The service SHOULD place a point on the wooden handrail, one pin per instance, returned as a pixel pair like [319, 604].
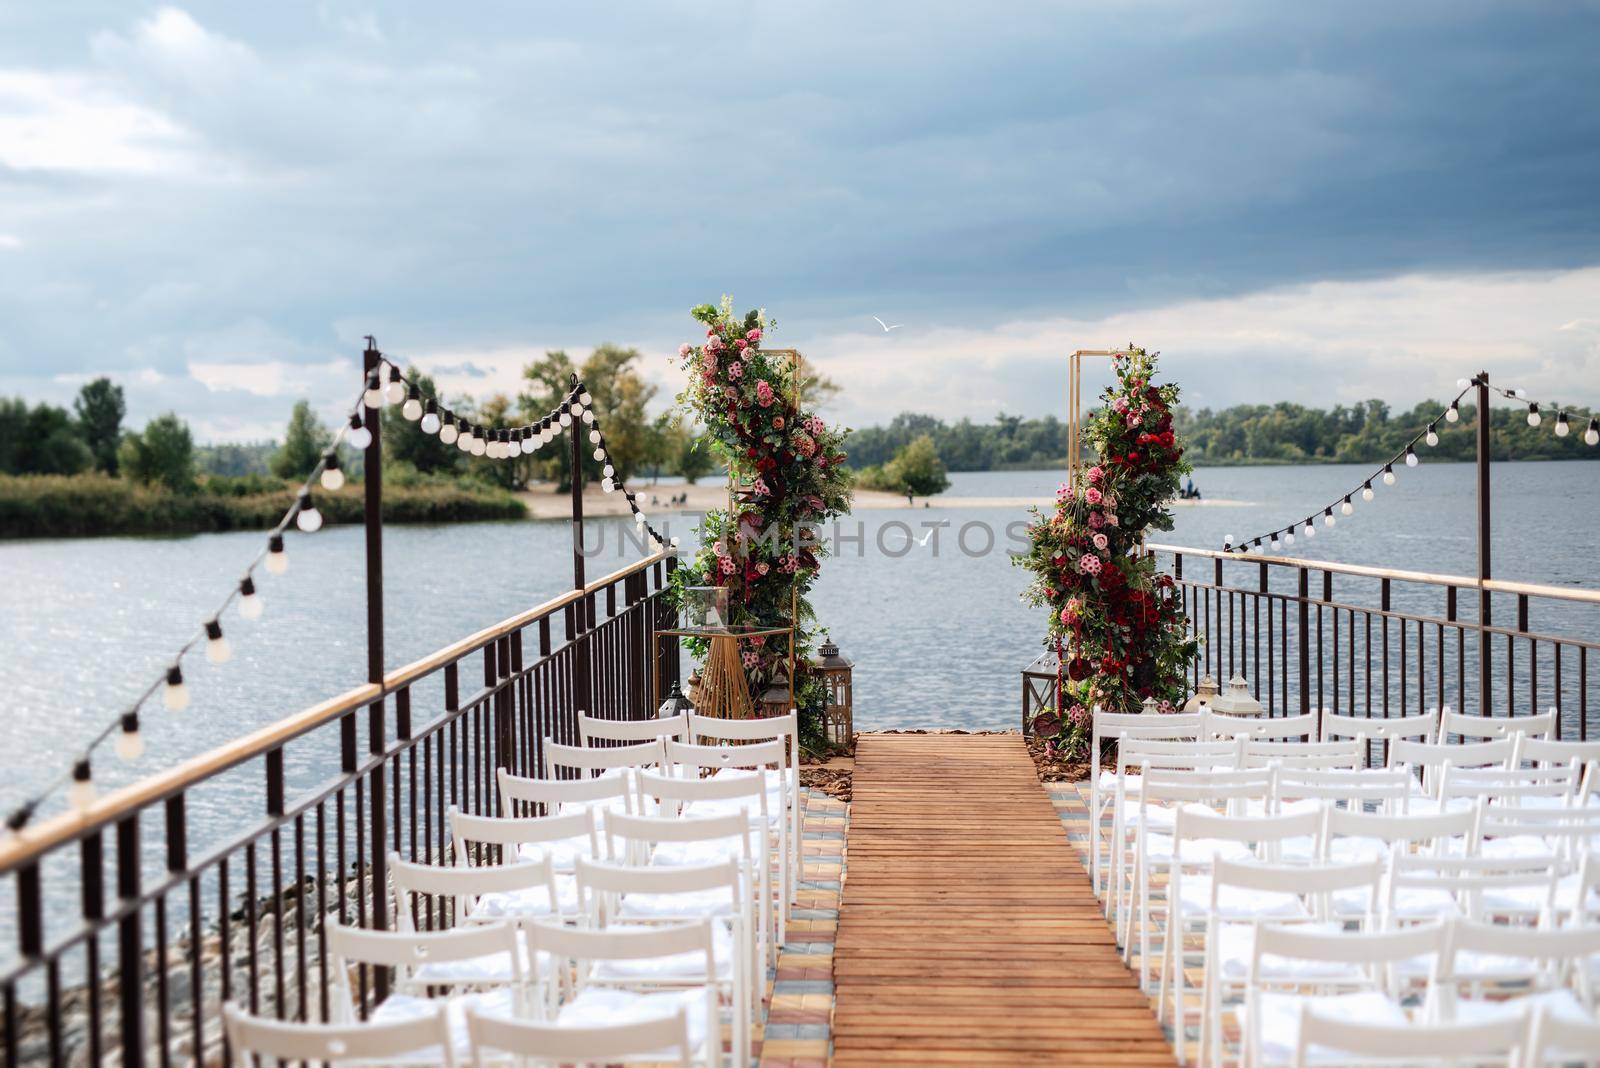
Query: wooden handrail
[32, 842]
[1529, 589]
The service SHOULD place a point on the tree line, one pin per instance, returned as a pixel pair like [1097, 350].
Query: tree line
[1243, 434]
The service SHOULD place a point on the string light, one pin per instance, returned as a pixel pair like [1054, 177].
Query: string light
[358, 436]
[1562, 429]
[249, 600]
[448, 430]
[1366, 490]
[1453, 413]
[129, 745]
[174, 694]
[1592, 435]
[395, 392]
[1327, 517]
[307, 518]
[1411, 456]
[80, 794]
[217, 649]
[1388, 474]
[1347, 508]
[1433, 436]
[412, 408]
[373, 397]
[1534, 418]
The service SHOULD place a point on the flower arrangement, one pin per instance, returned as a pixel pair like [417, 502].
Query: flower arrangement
[788, 465]
[1117, 625]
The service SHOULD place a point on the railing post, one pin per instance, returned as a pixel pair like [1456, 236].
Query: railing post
[130, 943]
[582, 692]
[376, 795]
[1485, 700]
[1304, 616]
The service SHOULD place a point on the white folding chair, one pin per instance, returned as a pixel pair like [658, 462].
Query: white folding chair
[1279, 728]
[1430, 758]
[665, 1039]
[422, 1038]
[1550, 968]
[694, 839]
[747, 761]
[1519, 888]
[1566, 835]
[459, 894]
[590, 1000]
[482, 841]
[1239, 889]
[1543, 751]
[583, 759]
[1346, 975]
[1347, 754]
[523, 797]
[593, 729]
[1323, 1034]
[627, 895]
[1477, 727]
[1127, 814]
[1554, 1040]
[1349, 835]
[1109, 726]
[1554, 786]
[785, 728]
[1424, 726]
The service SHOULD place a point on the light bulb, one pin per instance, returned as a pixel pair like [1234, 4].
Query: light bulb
[1388, 475]
[584, 399]
[479, 446]
[307, 518]
[81, 793]
[491, 449]
[1453, 412]
[129, 745]
[1534, 419]
[588, 416]
[1592, 435]
[607, 485]
[514, 447]
[608, 471]
[536, 444]
[218, 651]
[465, 439]
[1411, 457]
[373, 397]
[175, 695]
[1433, 436]
[1562, 428]
[411, 409]
[1328, 519]
[395, 392]
[674, 541]
[599, 454]
[1519, 392]
[1274, 544]
[332, 477]
[430, 422]
[1366, 491]
[1227, 541]
[359, 436]
[249, 600]
[638, 518]
[1462, 383]
[277, 559]
[566, 418]
[1311, 531]
[594, 436]
[1288, 537]
[1347, 508]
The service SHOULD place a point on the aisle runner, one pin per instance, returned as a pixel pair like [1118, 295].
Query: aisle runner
[969, 933]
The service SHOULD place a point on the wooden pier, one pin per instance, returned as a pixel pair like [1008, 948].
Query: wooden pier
[969, 933]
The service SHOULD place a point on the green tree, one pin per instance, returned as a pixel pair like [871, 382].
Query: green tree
[404, 441]
[620, 396]
[686, 453]
[163, 454]
[49, 444]
[100, 406]
[917, 470]
[303, 444]
[13, 429]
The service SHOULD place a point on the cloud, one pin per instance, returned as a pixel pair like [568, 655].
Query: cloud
[10, 241]
[77, 123]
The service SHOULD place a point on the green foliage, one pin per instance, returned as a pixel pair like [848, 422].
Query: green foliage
[163, 454]
[303, 444]
[230, 460]
[915, 471]
[620, 395]
[404, 442]
[686, 453]
[50, 444]
[1117, 625]
[97, 505]
[100, 407]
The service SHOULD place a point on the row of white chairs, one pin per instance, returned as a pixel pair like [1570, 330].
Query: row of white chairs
[621, 900]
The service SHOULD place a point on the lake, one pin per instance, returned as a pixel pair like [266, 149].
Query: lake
[938, 635]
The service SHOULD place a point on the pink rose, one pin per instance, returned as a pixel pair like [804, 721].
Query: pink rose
[684, 349]
[1101, 541]
[753, 335]
[1111, 519]
[740, 343]
[1096, 473]
[718, 548]
[764, 394]
[1093, 496]
[777, 422]
[1066, 617]
[763, 567]
[1096, 520]
[714, 344]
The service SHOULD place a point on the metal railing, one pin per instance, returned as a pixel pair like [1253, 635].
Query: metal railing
[1312, 635]
[163, 934]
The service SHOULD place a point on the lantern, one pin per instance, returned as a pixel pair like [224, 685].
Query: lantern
[1236, 700]
[775, 699]
[676, 704]
[838, 716]
[1148, 706]
[1204, 694]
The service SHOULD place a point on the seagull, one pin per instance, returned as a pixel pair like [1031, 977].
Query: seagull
[886, 326]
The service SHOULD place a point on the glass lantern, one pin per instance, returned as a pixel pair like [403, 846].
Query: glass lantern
[838, 715]
[706, 606]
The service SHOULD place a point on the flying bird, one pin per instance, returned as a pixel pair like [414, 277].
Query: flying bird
[886, 326]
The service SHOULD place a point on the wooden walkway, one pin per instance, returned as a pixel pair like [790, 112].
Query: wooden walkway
[969, 933]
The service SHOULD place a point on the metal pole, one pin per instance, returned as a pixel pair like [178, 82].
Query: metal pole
[373, 519]
[582, 694]
[1485, 699]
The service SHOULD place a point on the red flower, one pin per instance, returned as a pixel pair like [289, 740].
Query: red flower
[1078, 669]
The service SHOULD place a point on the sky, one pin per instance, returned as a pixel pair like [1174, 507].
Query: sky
[1320, 202]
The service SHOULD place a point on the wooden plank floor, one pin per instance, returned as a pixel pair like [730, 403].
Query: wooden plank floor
[968, 932]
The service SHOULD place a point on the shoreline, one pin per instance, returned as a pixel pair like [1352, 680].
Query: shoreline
[543, 502]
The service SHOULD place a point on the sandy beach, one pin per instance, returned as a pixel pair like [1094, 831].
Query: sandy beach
[544, 503]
